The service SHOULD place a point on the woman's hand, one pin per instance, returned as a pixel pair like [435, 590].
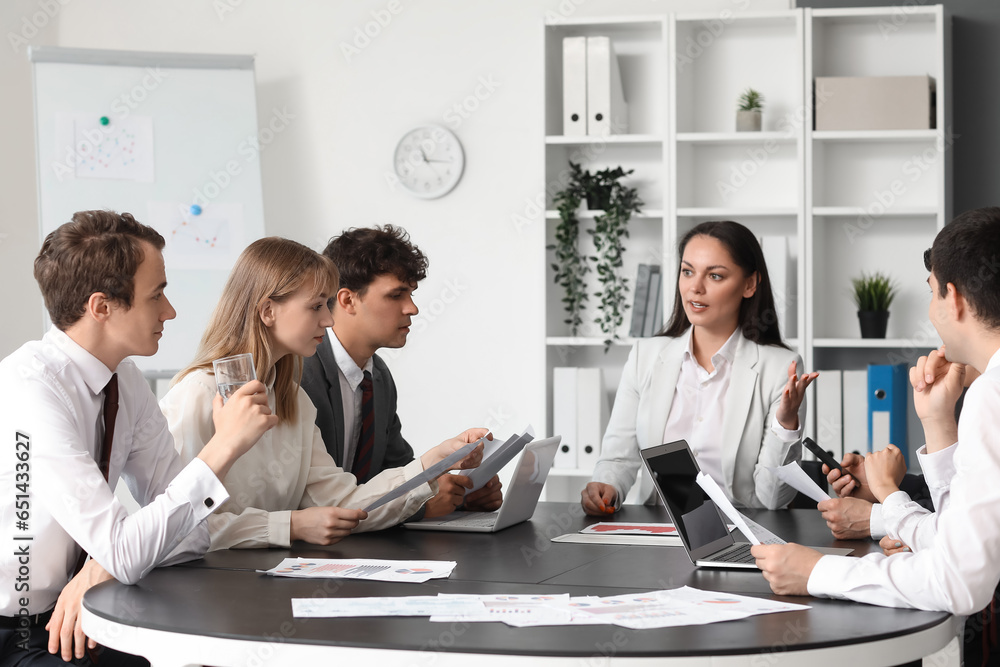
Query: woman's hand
[791, 397]
[598, 499]
[452, 445]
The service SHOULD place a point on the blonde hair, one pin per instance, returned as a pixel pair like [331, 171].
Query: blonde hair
[270, 268]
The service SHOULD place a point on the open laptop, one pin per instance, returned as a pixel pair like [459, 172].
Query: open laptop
[519, 500]
[702, 528]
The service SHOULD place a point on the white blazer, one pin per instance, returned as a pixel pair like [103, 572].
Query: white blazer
[749, 447]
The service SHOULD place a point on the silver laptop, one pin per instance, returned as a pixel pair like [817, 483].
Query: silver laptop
[519, 501]
[699, 522]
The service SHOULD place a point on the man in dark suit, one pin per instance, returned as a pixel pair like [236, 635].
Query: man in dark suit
[379, 269]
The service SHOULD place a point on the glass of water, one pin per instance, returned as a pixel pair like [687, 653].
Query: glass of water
[231, 373]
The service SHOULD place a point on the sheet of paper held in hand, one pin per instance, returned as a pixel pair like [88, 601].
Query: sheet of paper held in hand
[753, 531]
[409, 571]
[655, 609]
[498, 458]
[794, 476]
[429, 475]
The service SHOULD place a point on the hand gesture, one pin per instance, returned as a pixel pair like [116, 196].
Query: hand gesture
[885, 470]
[852, 482]
[791, 397]
[891, 545]
[598, 499]
[937, 385]
[847, 518]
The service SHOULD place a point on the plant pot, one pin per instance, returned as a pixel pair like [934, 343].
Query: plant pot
[599, 199]
[748, 121]
[873, 323]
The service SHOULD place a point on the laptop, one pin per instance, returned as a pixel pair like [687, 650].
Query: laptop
[702, 528]
[519, 501]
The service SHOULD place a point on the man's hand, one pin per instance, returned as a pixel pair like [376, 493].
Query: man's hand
[450, 495]
[885, 469]
[791, 397]
[786, 566]
[324, 525]
[937, 385]
[486, 499]
[598, 499]
[848, 518]
[853, 482]
[891, 545]
[66, 636]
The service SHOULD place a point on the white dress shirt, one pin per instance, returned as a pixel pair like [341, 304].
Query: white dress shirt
[350, 393]
[288, 469]
[51, 393]
[697, 409]
[958, 570]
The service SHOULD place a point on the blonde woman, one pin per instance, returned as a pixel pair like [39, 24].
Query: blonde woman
[275, 306]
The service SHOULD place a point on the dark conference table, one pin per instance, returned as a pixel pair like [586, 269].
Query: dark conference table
[220, 611]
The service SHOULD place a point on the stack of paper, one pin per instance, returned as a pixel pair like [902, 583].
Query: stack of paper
[656, 609]
[410, 571]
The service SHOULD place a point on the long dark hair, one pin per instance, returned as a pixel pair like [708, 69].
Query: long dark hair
[758, 319]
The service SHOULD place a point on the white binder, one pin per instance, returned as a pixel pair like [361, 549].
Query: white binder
[856, 411]
[564, 415]
[574, 86]
[830, 412]
[591, 416]
[778, 260]
[607, 112]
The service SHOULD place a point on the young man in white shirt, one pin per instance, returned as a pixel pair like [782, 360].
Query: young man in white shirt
[958, 570]
[379, 270]
[102, 277]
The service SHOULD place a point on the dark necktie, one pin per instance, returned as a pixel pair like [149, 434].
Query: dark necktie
[366, 438]
[104, 456]
[110, 413]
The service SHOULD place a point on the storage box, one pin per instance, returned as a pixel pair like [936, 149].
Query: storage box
[874, 103]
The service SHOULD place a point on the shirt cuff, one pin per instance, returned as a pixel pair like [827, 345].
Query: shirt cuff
[826, 574]
[279, 528]
[202, 488]
[876, 526]
[939, 467]
[783, 433]
[414, 468]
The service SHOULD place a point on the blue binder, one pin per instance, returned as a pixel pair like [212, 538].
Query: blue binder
[887, 395]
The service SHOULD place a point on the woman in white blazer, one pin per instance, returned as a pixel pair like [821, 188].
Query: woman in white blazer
[718, 376]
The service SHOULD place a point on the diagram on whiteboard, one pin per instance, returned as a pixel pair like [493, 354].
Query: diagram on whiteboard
[121, 149]
[207, 240]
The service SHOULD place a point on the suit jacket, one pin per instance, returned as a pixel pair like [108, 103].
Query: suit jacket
[321, 380]
[749, 446]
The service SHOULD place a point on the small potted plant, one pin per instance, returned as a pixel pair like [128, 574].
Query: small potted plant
[748, 114]
[873, 294]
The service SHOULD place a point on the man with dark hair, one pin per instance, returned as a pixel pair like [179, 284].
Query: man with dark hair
[958, 569]
[379, 270]
[76, 414]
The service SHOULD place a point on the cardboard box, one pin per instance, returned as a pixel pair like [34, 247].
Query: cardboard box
[874, 103]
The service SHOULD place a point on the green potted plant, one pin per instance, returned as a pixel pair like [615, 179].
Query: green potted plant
[873, 294]
[604, 191]
[748, 113]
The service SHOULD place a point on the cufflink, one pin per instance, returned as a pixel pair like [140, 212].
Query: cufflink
[209, 502]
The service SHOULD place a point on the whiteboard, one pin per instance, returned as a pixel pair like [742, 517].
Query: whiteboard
[181, 129]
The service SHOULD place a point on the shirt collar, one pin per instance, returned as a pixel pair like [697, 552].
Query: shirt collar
[727, 352]
[351, 371]
[994, 361]
[92, 369]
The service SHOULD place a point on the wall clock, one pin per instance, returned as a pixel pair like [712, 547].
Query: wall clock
[429, 161]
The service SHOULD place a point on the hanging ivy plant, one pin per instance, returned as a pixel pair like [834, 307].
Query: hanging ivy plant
[571, 264]
[610, 231]
[602, 190]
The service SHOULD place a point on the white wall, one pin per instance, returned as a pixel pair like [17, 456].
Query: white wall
[477, 357]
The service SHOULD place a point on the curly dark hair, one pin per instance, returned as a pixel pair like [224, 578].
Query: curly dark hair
[362, 254]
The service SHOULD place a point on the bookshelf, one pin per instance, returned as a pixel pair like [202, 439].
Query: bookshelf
[682, 74]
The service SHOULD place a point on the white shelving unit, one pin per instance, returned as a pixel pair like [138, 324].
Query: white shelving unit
[682, 75]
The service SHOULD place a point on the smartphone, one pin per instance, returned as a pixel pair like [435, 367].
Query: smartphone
[822, 454]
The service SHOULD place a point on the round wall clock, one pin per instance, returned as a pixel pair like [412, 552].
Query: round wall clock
[429, 161]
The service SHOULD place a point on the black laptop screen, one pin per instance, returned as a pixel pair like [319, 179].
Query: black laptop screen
[695, 515]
